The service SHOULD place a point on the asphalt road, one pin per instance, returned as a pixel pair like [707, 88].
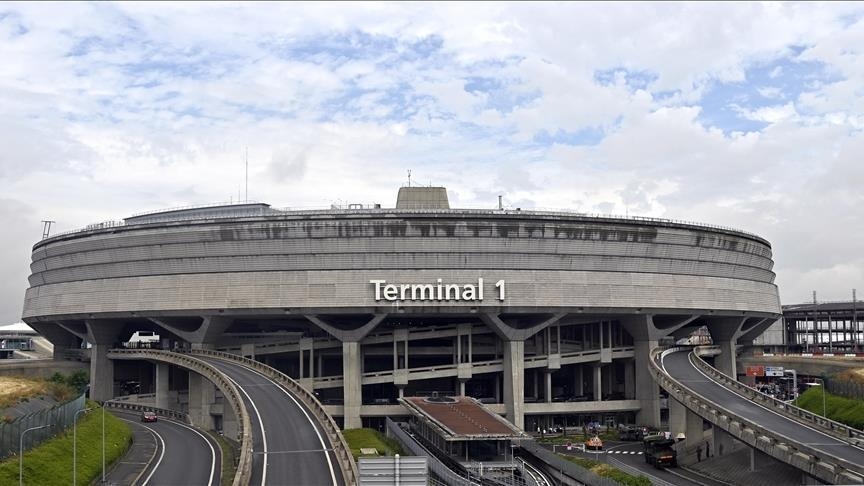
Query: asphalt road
[184, 456]
[627, 457]
[288, 445]
[678, 366]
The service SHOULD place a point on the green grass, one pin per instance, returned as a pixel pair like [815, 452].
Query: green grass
[605, 470]
[844, 410]
[370, 438]
[228, 455]
[50, 463]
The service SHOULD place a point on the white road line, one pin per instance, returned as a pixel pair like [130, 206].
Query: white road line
[209, 444]
[311, 422]
[260, 424]
[161, 454]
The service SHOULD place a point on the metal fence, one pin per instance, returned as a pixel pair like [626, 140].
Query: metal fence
[845, 388]
[59, 418]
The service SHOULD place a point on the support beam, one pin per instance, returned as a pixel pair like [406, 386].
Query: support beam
[101, 335]
[514, 382]
[202, 337]
[352, 335]
[352, 390]
[725, 332]
[162, 388]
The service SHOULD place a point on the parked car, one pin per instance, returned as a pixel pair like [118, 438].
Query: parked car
[148, 417]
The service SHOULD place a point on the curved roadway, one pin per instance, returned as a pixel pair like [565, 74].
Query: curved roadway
[678, 365]
[184, 456]
[288, 446]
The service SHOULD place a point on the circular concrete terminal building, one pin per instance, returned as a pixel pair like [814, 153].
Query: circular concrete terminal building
[540, 315]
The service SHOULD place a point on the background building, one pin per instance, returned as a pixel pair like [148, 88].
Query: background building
[544, 316]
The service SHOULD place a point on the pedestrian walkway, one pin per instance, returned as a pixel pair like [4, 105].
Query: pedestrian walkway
[129, 470]
[734, 468]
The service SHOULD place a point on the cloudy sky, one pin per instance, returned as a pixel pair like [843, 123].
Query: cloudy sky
[746, 115]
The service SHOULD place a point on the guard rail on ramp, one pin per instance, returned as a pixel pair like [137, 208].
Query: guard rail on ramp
[334, 435]
[228, 389]
[817, 447]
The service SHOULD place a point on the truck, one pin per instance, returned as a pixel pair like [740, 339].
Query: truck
[660, 451]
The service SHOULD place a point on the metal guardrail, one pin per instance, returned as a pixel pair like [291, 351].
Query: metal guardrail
[817, 463]
[841, 431]
[244, 466]
[143, 407]
[334, 435]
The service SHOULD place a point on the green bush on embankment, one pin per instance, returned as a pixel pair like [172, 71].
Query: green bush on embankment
[605, 470]
[50, 463]
[844, 410]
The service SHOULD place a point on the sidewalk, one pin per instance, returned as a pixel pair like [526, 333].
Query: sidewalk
[130, 468]
[734, 468]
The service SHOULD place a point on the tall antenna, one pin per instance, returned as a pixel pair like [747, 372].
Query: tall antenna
[247, 174]
[46, 228]
[409, 177]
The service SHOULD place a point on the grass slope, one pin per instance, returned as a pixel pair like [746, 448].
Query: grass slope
[50, 463]
[370, 438]
[844, 410]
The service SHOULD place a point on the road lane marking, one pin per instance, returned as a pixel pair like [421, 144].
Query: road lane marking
[210, 445]
[311, 422]
[260, 425]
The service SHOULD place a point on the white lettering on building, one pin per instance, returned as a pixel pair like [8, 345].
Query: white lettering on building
[439, 291]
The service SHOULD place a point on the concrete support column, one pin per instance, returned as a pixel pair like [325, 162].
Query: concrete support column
[725, 361]
[548, 390]
[230, 428]
[202, 394]
[677, 418]
[647, 391]
[597, 382]
[579, 381]
[461, 388]
[694, 431]
[514, 382]
[352, 389]
[101, 335]
[629, 379]
[162, 373]
[723, 442]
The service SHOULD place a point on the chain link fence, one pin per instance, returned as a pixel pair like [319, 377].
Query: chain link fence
[59, 418]
[845, 388]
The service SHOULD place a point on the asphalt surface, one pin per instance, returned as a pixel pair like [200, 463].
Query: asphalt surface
[626, 456]
[289, 447]
[678, 366]
[183, 456]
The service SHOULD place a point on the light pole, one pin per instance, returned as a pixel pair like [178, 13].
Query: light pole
[75, 444]
[823, 396]
[21, 454]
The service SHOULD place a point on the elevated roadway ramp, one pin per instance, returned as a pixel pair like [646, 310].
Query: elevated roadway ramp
[821, 448]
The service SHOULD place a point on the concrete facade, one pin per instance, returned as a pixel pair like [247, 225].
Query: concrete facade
[550, 307]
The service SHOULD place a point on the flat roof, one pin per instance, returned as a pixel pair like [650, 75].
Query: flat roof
[461, 418]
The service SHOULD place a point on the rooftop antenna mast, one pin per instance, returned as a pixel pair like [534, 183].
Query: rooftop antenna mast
[409, 177]
[46, 228]
[247, 174]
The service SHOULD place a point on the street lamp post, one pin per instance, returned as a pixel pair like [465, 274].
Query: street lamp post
[75, 444]
[824, 413]
[21, 454]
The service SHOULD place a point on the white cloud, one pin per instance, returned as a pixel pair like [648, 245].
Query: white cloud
[157, 103]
